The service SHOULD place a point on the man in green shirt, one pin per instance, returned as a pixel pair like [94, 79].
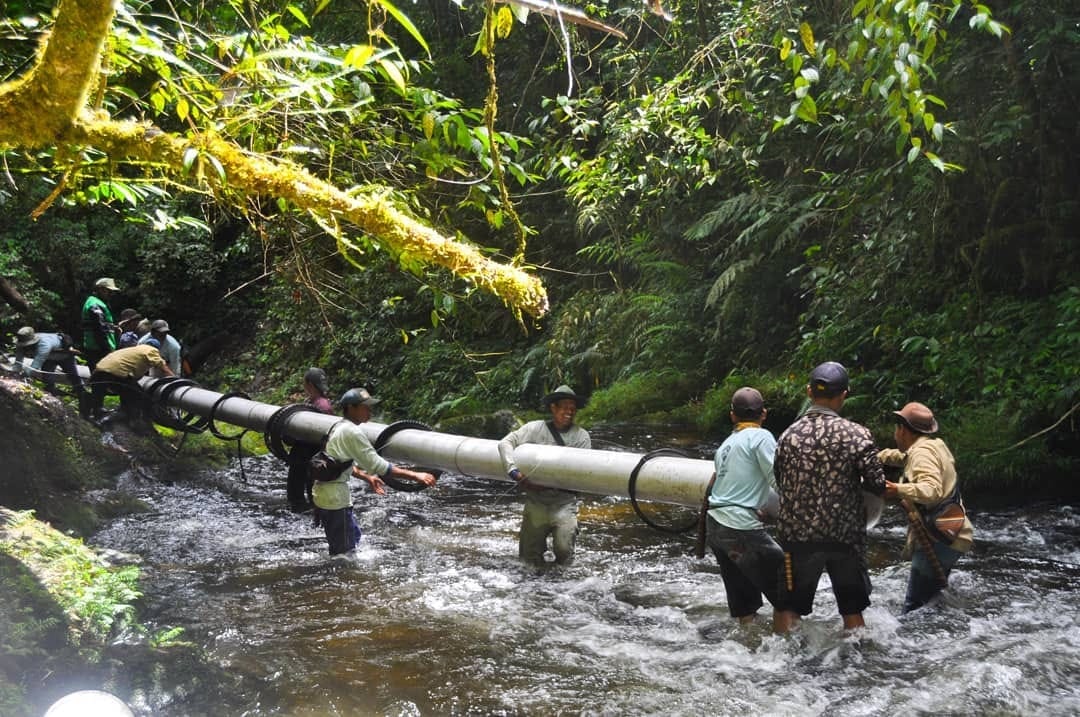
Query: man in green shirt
[99, 331]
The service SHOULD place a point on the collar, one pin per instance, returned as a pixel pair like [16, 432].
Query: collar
[825, 410]
[745, 424]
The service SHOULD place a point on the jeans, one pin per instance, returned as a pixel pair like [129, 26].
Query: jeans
[924, 582]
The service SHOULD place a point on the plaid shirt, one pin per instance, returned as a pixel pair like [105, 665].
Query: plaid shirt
[823, 465]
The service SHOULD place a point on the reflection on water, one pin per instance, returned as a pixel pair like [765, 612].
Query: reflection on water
[434, 615]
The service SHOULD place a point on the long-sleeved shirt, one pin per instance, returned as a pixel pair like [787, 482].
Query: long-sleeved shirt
[537, 432]
[132, 362]
[929, 478]
[744, 477]
[47, 348]
[347, 441]
[823, 465]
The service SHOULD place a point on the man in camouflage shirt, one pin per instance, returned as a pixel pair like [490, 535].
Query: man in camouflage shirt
[823, 465]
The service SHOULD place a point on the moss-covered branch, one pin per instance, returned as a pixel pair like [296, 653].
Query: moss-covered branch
[48, 107]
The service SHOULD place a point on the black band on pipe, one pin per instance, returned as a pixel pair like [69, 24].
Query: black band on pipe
[212, 427]
[278, 444]
[159, 392]
[407, 486]
[631, 489]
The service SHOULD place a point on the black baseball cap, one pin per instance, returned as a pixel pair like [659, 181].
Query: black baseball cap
[828, 379]
[747, 402]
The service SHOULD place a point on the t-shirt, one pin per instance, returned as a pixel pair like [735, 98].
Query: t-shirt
[744, 476]
[537, 432]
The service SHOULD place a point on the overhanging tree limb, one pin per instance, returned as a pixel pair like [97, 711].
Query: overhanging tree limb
[47, 107]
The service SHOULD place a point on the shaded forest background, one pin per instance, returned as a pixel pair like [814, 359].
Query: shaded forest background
[728, 198]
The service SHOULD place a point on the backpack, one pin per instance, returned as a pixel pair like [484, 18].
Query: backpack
[324, 467]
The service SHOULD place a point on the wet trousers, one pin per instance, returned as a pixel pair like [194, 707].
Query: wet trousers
[540, 520]
[924, 583]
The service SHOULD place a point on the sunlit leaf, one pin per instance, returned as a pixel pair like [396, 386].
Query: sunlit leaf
[807, 35]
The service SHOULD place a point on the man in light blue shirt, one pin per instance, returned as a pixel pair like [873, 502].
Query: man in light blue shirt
[749, 559]
[170, 347]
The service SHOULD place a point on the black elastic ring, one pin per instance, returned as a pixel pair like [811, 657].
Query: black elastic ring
[213, 409]
[632, 491]
[159, 392]
[406, 486]
[278, 444]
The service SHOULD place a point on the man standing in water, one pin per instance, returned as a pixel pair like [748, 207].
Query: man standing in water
[348, 442]
[749, 558]
[548, 511]
[823, 465]
[928, 481]
[297, 486]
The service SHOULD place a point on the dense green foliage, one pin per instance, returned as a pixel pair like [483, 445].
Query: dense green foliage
[731, 197]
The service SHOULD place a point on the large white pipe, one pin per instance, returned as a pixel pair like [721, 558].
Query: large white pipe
[664, 479]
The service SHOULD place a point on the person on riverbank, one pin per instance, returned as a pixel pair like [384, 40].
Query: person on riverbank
[548, 511]
[50, 351]
[99, 331]
[823, 464]
[928, 482]
[297, 486]
[129, 322]
[348, 442]
[119, 372]
[749, 558]
[170, 346]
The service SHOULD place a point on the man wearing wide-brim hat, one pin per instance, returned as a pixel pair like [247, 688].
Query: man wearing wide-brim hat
[929, 481]
[548, 511]
[99, 331]
[49, 351]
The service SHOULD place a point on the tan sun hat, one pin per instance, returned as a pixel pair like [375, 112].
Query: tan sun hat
[917, 417]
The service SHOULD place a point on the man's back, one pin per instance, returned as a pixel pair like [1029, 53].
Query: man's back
[823, 464]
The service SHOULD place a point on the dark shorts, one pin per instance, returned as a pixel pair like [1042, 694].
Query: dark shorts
[750, 562]
[847, 572]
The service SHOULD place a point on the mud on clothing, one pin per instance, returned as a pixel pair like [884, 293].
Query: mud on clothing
[548, 511]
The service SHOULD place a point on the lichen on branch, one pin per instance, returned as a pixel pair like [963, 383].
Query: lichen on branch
[47, 107]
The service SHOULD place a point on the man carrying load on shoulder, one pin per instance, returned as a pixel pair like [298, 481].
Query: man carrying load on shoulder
[348, 442]
[548, 511]
[749, 558]
[929, 482]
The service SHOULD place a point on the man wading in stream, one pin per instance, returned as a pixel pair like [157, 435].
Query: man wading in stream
[348, 442]
[548, 511]
[823, 464]
[929, 481]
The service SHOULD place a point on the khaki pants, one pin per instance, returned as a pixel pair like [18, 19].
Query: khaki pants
[538, 521]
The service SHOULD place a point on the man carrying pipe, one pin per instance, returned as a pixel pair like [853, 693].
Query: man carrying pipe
[348, 442]
[548, 511]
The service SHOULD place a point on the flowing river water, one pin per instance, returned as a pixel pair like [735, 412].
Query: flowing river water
[434, 615]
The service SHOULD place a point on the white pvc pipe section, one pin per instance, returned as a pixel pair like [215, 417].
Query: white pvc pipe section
[664, 479]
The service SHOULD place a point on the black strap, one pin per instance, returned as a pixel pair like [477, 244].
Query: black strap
[554, 433]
